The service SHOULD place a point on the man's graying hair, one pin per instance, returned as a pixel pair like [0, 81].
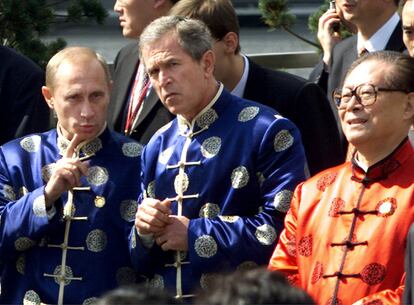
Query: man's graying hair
[399, 72]
[193, 35]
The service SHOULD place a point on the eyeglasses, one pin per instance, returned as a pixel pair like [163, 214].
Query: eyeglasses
[365, 94]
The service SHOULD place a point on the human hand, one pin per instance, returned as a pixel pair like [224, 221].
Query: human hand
[152, 216]
[327, 37]
[66, 173]
[175, 234]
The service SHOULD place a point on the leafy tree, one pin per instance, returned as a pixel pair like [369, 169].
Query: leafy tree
[276, 15]
[22, 22]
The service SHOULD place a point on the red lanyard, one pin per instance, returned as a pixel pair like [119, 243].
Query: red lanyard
[133, 113]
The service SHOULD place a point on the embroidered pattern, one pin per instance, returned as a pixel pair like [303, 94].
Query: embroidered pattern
[247, 265]
[282, 200]
[128, 209]
[266, 234]
[90, 301]
[207, 280]
[386, 207]
[39, 206]
[317, 273]
[229, 218]
[283, 140]
[325, 181]
[21, 263]
[248, 113]
[156, 282]
[151, 189]
[97, 175]
[8, 192]
[47, 171]
[31, 298]
[181, 183]
[166, 155]
[31, 144]
[305, 246]
[96, 240]
[23, 243]
[205, 246]
[207, 118]
[239, 177]
[132, 149]
[209, 210]
[68, 274]
[92, 147]
[337, 204]
[210, 147]
[125, 276]
[373, 274]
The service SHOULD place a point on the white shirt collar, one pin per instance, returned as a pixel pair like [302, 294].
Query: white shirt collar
[241, 85]
[379, 40]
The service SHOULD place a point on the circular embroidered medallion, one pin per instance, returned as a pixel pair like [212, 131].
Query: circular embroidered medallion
[305, 246]
[239, 177]
[373, 274]
[21, 264]
[128, 209]
[31, 298]
[96, 240]
[248, 113]
[97, 175]
[282, 200]
[207, 280]
[226, 218]
[260, 178]
[8, 192]
[181, 183]
[166, 155]
[92, 147]
[325, 181]
[90, 301]
[283, 140]
[31, 144]
[23, 243]
[65, 278]
[209, 210]
[47, 171]
[337, 204]
[125, 276]
[210, 147]
[100, 201]
[266, 234]
[132, 149]
[205, 246]
[207, 118]
[247, 265]
[317, 272]
[156, 282]
[386, 207]
[151, 189]
[39, 206]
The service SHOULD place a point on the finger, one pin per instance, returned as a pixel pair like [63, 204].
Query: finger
[72, 146]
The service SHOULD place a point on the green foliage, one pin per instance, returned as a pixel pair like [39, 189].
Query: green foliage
[22, 22]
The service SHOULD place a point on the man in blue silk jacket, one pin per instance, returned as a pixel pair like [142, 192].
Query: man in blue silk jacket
[218, 179]
[68, 196]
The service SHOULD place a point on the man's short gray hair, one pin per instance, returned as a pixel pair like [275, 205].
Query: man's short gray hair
[193, 35]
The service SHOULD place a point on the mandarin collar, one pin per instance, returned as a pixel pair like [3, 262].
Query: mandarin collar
[85, 148]
[382, 169]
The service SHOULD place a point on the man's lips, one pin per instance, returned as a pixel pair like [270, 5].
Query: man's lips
[356, 121]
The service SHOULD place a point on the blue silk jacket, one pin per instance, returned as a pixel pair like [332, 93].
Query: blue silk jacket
[82, 251]
[231, 171]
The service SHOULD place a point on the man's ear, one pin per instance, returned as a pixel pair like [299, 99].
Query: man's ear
[47, 94]
[231, 42]
[409, 107]
[208, 60]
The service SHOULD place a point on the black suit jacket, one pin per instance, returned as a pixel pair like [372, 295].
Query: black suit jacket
[306, 105]
[23, 109]
[153, 115]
